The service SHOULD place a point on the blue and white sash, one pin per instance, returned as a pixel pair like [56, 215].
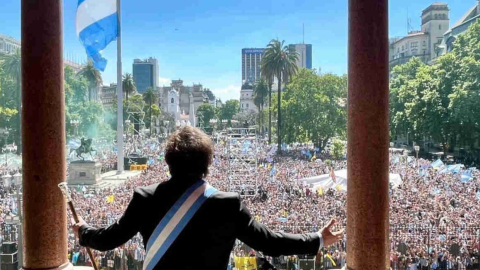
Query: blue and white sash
[173, 223]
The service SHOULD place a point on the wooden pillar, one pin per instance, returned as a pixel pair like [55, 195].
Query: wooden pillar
[43, 135]
[368, 137]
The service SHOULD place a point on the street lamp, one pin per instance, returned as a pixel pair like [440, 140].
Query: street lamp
[417, 149]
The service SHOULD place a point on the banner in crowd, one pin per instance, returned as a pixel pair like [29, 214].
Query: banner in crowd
[437, 164]
[339, 181]
[246, 263]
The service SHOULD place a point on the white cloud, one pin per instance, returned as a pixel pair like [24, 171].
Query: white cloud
[226, 93]
[164, 81]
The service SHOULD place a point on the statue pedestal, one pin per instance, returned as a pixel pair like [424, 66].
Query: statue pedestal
[84, 172]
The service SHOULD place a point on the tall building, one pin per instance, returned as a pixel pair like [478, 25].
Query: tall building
[424, 44]
[304, 55]
[251, 58]
[8, 44]
[145, 74]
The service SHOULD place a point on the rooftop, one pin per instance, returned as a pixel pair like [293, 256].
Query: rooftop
[435, 6]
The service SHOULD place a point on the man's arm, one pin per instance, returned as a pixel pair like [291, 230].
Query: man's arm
[116, 234]
[260, 238]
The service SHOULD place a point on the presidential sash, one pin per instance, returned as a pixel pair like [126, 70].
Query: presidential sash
[176, 219]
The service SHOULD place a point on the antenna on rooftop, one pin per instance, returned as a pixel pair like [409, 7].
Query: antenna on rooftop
[303, 42]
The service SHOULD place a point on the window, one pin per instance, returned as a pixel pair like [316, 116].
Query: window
[424, 43]
[398, 50]
[403, 48]
[439, 27]
[414, 44]
[247, 105]
[172, 100]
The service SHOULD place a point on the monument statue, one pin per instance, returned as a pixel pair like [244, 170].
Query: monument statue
[81, 171]
[84, 148]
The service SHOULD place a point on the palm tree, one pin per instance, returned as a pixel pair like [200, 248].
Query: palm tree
[269, 80]
[150, 97]
[260, 91]
[128, 84]
[93, 76]
[280, 61]
[12, 65]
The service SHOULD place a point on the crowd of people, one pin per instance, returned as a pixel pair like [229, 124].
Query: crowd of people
[433, 214]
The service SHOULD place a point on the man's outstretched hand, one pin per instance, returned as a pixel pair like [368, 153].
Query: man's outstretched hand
[76, 226]
[330, 238]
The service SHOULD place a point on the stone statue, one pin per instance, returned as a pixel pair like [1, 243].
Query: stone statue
[84, 148]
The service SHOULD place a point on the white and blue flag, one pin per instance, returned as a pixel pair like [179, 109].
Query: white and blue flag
[97, 27]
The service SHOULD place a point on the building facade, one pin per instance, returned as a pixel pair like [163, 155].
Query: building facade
[145, 74]
[108, 95]
[247, 103]
[424, 43]
[304, 55]
[462, 25]
[8, 45]
[187, 98]
[251, 59]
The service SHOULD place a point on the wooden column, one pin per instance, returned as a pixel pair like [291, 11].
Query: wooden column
[368, 137]
[43, 135]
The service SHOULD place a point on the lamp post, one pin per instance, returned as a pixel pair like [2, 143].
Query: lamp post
[417, 149]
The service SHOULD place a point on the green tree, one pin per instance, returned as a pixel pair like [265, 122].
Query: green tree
[150, 98]
[260, 91]
[228, 110]
[400, 95]
[280, 61]
[93, 76]
[128, 85]
[7, 102]
[11, 64]
[205, 112]
[338, 150]
[315, 108]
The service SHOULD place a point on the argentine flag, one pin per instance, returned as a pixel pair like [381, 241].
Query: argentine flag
[97, 27]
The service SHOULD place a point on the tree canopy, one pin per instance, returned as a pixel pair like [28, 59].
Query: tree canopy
[314, 108]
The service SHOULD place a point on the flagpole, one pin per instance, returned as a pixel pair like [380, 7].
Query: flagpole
[119, 93]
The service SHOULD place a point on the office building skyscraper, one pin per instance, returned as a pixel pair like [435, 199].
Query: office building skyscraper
[251, 58]
[145, 74]
[304, 55]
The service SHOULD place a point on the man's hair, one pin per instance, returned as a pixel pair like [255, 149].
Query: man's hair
[189, 152]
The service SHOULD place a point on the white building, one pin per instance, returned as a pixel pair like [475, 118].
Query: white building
[189, 99]
[174, 103]
[8, 44]
[422, 44]
[246, 99]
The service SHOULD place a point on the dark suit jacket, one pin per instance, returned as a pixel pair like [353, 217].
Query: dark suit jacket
[207, 240]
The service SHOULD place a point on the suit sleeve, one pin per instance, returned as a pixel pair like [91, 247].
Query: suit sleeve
[260, 238]
[116, 234]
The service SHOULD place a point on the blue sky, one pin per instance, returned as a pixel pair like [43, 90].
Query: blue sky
[201, 41]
